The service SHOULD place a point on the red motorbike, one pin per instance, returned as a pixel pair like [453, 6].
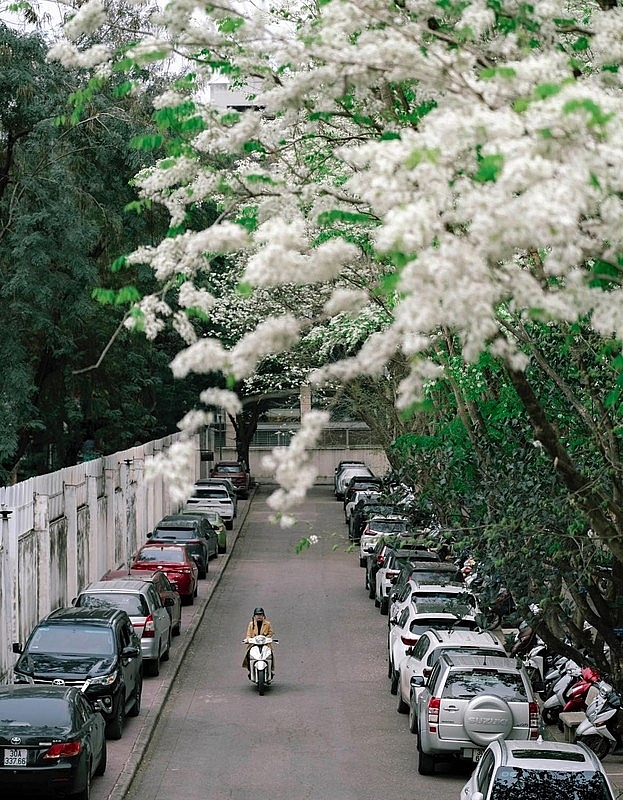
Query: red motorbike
[576, 697]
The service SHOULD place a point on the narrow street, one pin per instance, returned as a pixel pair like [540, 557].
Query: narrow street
[327, 729]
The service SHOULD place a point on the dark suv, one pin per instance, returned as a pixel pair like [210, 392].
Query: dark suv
[195, 532]
[93, 648]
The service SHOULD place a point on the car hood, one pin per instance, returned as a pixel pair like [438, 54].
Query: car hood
[45, 665]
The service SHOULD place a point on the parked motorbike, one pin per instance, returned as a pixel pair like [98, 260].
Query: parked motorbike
[602, 729]
[260, 660]
[496, 602]
[557, 700]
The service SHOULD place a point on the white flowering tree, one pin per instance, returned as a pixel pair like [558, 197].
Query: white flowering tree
[459, 165]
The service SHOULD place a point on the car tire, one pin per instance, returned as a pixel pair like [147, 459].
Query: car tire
[138, 696]
[393, 686]
[203, 570]
[114, 726]
[384, 606]
[401, 706]
[167, 653]
[101, 767]
[229, 525]
[413, 717]
[362, 562]
[177, 629]
[370, 590]
[425, 762]
[377, 602]
[152, 667]
[484, 707]
[222, 548]
[85, 794]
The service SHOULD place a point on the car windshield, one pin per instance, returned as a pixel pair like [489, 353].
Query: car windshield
[74, 640]
[216, 492]
[35, 712]
[465, 685]
[168, 555]
[132, 602]
[460, 651]
[397, 526]
[512, 783]
[422, 624]
[228, 469]
[175, 533]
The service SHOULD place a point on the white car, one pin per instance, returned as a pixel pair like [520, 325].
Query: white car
[214, 498]
[375, 528]
[346, 474]
[421, 658]
[413, 621]
[361, 494]
[547, 770]
[414, 592]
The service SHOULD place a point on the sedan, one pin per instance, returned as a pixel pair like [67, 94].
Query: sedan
[51, 742]
[215, 498]
[513, 770]
[167, 591]
[215, 520]
[173, 559]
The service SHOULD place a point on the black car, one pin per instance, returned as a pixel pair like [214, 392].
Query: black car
[95, 649]
[51, 742]
[365, 509]
[196, 533]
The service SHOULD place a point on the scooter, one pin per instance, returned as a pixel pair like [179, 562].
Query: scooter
[260, 660]
[601, 730]
[560, 693]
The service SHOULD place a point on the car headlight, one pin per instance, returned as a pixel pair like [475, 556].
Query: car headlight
[101, 680]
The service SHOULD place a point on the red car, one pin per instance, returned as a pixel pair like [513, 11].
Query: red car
[174, 560]
[236, 472]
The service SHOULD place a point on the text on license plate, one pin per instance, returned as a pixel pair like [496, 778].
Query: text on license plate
[476, 754]
[15, 758]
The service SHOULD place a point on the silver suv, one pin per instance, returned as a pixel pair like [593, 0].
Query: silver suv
[470, 701]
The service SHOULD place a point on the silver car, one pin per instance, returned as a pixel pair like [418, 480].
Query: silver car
[150, 618]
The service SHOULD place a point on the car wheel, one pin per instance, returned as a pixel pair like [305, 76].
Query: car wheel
[114, 726]
[101, 767]
[229, 525]
[401, 706]
[370, 590]
[167, 653]
[413, 716]
[426, 762]
[393, 686]
[203, 570]
[222, 548]
[138, 696]
[384, 606]
[362, 562]
[85, 794]
[152, 667]
[487, 717]
[177, 628]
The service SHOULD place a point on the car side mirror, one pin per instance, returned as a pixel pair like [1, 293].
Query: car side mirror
[17, 647]
[169, 602]
[149, 535]
[130, 652]
[418, 680]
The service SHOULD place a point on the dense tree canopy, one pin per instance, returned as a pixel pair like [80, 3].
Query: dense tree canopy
[451, 173]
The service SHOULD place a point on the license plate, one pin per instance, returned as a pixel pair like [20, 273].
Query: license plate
[476, 755]
[15, 758]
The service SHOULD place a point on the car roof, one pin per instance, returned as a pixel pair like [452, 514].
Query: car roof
[176, 521]
[530, 754]
[130, 574]
[469, 662]
[460, 636]
[120, 585]
[95, 615]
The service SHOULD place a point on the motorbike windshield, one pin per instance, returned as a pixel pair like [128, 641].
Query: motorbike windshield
[513, 783]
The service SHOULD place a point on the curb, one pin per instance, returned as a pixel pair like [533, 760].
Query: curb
[150, 719]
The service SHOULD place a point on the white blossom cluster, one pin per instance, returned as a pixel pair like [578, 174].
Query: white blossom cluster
[501, 195]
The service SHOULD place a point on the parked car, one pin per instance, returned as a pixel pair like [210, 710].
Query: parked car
[470, 701]
[215, 498]
[341, 465]
[401, 554]
[365, 509]
[220, 481]
[547, 770]
[236, 472]
[375, 528]
[365, 495]
[374, 562]
[414, 620]
[96, 649]
[173, 559]
[415, 591]
[149, 616]
[215, 520]
[346, 474]
[167, 591]
[195, 532]
[360, 483]
[420, 658]
[49, 737]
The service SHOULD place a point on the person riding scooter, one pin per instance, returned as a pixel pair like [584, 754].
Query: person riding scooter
[258, 626]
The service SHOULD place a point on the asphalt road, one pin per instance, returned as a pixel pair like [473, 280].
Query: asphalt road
[327, 729]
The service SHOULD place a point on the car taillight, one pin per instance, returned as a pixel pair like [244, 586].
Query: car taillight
[379, 559]
[149, 630]
[409, 640]
[433, 713]
[66, 750]
[534, 718]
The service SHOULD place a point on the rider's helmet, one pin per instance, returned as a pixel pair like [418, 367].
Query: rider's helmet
[258, 610]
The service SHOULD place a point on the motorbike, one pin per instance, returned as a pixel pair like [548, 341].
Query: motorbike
[557, 700]
[602, 729]
[260, 657]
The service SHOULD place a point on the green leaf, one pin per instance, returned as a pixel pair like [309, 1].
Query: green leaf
[489, 168]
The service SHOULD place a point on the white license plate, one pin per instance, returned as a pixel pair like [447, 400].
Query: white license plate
[476, 755]
[15, 758]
